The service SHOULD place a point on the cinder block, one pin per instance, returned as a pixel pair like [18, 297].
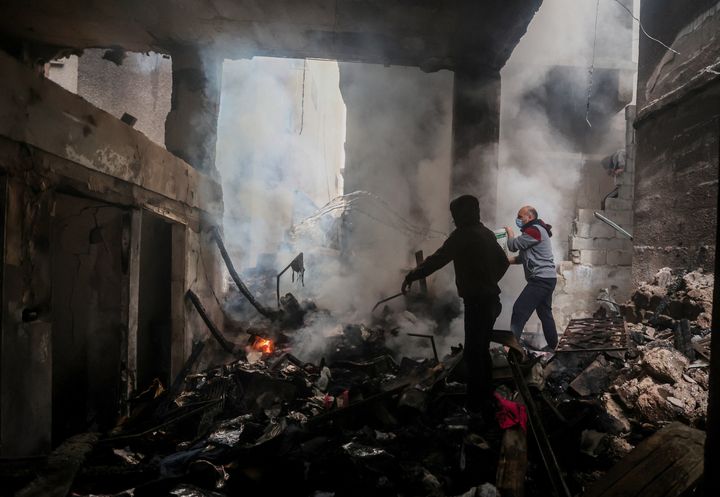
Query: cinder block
[618, 204]
[610, 243]
[619, 257]
[582, 229]
[577, 243]
[621, 217]
[575, 256]
[626, 192]
[586, 216]
[601, 230]
[593, 257]
[596, 243]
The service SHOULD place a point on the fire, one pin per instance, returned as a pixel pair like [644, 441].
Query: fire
[264, 345]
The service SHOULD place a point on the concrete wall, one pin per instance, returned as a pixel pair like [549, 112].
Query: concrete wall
[141, 86]
[54, 143]
[677, 137]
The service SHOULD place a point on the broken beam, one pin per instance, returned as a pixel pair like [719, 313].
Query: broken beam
[63, 464]
[554, 472]
[513, 463]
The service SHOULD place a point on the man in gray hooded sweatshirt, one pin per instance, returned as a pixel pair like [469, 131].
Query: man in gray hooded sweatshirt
[537, 259]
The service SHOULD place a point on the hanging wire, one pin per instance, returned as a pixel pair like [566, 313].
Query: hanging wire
[642, 28]
[592, 66]
[302, 101]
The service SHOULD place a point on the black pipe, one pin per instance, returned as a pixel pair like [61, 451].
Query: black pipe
[236, 278]
[216, 333]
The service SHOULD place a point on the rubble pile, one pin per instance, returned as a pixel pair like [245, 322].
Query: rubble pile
[619, 398]
[362, 420]
[670, 298]
[346, 428]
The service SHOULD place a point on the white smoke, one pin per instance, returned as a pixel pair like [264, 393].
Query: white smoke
[539, 164]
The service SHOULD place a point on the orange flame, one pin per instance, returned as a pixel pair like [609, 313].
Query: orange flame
[264, 345]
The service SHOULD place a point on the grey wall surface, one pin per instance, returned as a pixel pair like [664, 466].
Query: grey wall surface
[678, 129]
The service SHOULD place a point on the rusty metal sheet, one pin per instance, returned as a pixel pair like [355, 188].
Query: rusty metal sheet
[594, 335]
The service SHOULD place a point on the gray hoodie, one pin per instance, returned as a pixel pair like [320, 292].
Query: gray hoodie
[535, 250]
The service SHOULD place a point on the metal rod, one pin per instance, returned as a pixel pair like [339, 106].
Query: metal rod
[613, 225]
[432, 341]
[386, 300]
[277, 282]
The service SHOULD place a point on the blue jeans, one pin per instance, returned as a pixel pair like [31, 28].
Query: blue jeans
[537, 297]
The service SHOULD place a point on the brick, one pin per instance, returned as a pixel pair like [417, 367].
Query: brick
[593, 257]
[619, 257]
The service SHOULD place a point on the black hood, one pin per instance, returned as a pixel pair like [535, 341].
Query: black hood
[465, 211]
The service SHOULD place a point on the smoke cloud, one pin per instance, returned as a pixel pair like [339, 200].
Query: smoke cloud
[548, 152]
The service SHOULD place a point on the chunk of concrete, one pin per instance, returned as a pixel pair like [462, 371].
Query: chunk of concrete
[593, 380]
[666, 365]
[617, 421]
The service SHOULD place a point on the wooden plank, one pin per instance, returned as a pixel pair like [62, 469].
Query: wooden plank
[665, 465]
[513, 463]
[63, 464]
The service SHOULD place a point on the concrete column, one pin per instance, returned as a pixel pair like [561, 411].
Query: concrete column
[476, 132]
[191, 124]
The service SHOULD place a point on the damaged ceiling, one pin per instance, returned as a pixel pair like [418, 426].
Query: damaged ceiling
[431, 34]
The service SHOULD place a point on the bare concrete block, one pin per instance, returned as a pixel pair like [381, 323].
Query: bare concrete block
[623, 218]
[626, 192]
[593, 257]
[619, 257]
[618, 204]
[586, 216]
[575, 256]
[601, 230]
[577, 243]
[666, 365]
[582, 229]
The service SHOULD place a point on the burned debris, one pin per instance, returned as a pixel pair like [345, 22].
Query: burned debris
[363, 420]
[214, 222]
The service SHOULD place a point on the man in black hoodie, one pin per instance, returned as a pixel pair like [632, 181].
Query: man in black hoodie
[479, 264]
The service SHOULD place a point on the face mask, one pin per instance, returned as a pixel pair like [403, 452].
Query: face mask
[519, 223]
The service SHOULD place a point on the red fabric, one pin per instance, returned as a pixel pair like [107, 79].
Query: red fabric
[510, 413]
[533, 232]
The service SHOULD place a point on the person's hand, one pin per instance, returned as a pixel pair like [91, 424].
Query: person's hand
[510, 232]
[407, 282]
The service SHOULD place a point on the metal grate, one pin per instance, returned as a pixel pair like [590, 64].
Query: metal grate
[594, 335]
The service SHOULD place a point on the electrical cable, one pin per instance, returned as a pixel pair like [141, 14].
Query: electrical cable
[642, 28]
